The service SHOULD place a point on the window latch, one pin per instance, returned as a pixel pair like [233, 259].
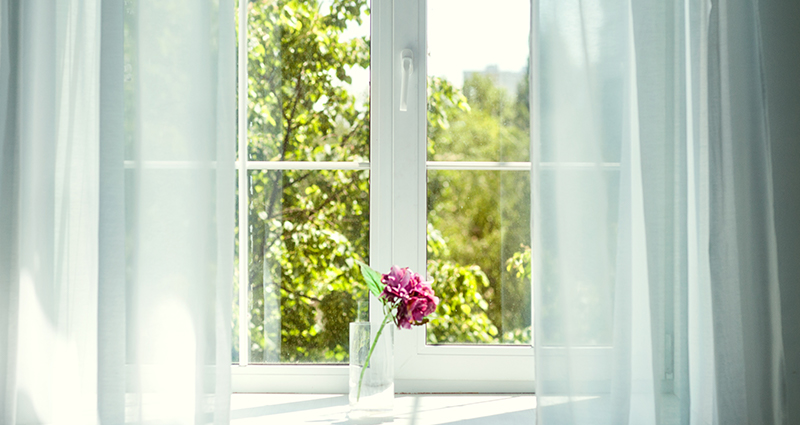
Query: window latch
[407, 68]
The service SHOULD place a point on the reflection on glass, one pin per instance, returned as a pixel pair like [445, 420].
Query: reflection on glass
[478, 80]
[308, 80]
[306, 230]
[479, 256]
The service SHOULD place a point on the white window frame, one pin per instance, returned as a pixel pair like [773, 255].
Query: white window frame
[398, 169]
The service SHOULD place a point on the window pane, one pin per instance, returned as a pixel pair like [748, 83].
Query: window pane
[308, 86]
[307, 228]
[479, 256]
[478, 80]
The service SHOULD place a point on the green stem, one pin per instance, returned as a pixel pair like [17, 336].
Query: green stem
[371, 349]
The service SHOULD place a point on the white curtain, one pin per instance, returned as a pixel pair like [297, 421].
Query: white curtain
[655, 273]
[116, 211]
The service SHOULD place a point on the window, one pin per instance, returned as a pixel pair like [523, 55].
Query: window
[426, 171]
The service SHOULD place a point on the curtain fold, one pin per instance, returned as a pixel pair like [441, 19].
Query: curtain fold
[743, 253]
[655, 273]
[116, 219]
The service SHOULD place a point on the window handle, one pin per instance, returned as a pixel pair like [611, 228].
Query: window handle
[407, 68]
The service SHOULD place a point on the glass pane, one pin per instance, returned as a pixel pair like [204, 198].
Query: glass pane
[478, 80]
[307, 228]
[308, 90]
[479, 256]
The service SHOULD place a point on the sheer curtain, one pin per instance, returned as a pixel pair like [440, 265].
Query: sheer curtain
[656, 290]
[116, 211]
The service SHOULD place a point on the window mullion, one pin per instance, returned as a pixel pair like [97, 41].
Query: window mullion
[306, 165]
[244, 227]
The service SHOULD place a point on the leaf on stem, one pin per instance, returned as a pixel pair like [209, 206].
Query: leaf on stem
[373, 279]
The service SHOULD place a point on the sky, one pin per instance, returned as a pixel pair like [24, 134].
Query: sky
[469, 35]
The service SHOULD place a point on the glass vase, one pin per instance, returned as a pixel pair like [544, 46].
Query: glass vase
[377, 386]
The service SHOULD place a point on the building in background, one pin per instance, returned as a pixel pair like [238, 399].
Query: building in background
[509, 80]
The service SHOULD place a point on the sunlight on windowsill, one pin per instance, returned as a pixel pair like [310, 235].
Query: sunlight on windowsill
[417, 409]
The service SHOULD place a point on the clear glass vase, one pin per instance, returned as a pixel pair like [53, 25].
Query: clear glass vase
[377, 386]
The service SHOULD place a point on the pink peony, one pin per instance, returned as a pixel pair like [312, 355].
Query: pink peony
[421, 306]
[413, 298]
[398, 284]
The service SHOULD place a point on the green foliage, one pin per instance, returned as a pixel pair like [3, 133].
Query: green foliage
[444, 102]
[520, 263]
[462, 313]
[479, 123]
[299, 108]
[308, 245]
[482, 216]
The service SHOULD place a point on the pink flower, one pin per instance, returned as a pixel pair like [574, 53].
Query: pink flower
[398, 283]
[422, 303]
[403, 320]
[413, 298]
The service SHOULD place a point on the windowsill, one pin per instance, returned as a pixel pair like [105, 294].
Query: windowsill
[417, 409]
[333, 379]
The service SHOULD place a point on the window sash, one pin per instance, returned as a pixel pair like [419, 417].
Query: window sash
[398, 169]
